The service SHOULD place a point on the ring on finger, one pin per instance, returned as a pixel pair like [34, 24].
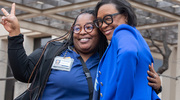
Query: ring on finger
[154, 76]
[7, 15]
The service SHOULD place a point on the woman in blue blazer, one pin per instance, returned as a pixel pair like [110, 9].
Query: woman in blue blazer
[122, 71]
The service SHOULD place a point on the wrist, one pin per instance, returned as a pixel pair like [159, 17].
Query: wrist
[11, 34]
[158, 90]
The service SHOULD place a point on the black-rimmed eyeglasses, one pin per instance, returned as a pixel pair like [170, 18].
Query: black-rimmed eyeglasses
[108, 19]
[87, 27]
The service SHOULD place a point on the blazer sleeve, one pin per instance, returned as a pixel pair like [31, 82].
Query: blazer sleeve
[21, 64]
[126, 64]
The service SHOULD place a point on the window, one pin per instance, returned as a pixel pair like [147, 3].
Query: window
[38, 42]
[157, 63]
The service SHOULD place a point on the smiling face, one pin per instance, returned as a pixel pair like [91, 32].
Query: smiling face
[85, 42]
[119, 19]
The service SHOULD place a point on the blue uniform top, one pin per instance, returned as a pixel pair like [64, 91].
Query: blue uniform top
[122, 71]
[70, 85]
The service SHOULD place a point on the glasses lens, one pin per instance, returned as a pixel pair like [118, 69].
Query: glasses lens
[88, 28]
[108, 19]
[76, 29]
[98, 23]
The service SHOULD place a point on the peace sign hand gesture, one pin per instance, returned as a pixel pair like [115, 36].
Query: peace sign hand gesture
[10, 21]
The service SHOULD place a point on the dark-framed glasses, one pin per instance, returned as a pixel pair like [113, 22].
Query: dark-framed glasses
[88, 27]
[108, 19]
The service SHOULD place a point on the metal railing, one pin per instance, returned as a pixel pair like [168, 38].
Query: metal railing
[7, 78]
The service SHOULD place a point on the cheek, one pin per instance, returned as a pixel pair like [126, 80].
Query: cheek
[96, 39]
[74, 36]
[120, 20]
[94, 33]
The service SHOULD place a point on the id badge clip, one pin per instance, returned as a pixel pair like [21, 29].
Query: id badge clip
[62, 63]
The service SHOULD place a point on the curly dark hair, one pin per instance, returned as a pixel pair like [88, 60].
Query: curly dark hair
[103, 43]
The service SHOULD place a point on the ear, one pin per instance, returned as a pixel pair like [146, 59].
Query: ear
[126, 21]
[126, 18]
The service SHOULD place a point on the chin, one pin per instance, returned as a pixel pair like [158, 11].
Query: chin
[108, 37]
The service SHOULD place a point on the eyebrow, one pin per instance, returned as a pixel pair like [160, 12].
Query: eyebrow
[86, 23]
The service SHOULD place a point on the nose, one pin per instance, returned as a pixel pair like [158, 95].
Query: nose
[104, 25]
[82, 32]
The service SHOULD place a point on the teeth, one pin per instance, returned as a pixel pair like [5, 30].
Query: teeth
[84, 40]
[107, 32]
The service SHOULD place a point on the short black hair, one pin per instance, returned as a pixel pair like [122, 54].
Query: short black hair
[123, 7]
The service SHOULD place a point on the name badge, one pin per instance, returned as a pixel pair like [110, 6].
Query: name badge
[62, 63]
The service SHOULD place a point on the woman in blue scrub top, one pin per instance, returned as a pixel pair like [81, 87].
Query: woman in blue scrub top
[122, 71]
[55, 78]
[59, 75]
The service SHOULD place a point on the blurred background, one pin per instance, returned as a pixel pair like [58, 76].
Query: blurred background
[43, 20]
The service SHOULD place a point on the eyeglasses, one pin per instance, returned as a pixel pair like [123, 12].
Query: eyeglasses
[87, 27]
[108, 19]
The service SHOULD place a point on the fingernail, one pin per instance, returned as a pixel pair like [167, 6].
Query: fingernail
[2, 22]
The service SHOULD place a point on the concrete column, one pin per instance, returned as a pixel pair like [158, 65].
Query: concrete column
[3, 67]
[169, 83]
[178, 66]
[19, 88]
[28, 44]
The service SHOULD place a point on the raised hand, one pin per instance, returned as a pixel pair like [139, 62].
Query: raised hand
[154, 79]
[10, 21]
